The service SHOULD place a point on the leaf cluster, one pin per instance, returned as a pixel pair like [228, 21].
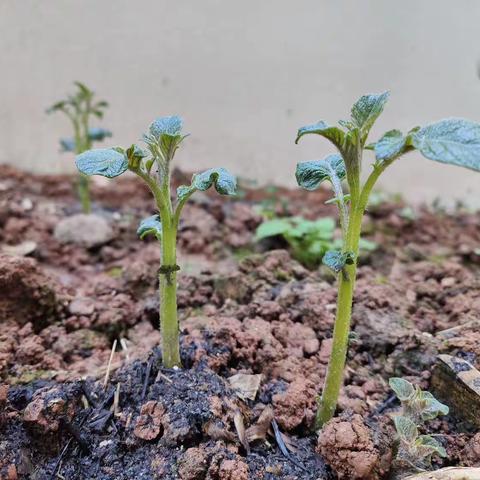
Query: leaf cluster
[418, 406]
[80, 102]
[310, 241]
[153, 166]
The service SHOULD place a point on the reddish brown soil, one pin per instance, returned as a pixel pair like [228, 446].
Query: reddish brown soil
[242, 310]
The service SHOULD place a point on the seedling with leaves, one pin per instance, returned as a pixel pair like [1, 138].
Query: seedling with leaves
[454, 141]
[418, 406]
[309, 240]
[153, 167]
[79, 108]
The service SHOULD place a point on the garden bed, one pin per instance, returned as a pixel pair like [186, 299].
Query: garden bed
[69, 409]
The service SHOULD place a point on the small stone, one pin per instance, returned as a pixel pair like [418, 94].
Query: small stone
[82, 229]
[46, 409]
[193, 464]
[149, 422]
[20, 250]
[448, 282]
[82, 306]
[311, 346]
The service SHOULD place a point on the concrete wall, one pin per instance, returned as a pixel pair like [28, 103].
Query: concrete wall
[244, 75]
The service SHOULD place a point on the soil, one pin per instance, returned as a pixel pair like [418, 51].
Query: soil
[246, 309]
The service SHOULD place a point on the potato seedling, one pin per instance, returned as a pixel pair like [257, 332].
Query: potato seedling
[153, 167]
[308, 240]
[454, 141]
[418, 406]
[79, 108]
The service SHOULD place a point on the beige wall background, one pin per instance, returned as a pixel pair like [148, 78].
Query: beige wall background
[244, 75]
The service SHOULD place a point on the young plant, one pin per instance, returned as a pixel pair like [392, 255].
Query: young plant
[418, 406]
[454, 141]
[79, 108]
[309, 240]
[153, 167]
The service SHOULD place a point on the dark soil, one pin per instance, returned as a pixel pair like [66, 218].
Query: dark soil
[245, 309]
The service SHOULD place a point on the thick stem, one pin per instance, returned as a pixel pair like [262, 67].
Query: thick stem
[168, 297]
[83, 190]
[334, 379]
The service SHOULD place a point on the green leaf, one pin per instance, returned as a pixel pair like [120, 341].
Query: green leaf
[336, 260]
[135, 155]
[332, 133]
[390, 146]
[150, 226]
[98, 134]
[167, 131]
[311, 174]
[406, 428]
[433, 408]
[430, 445]
[223, 181]
[67, 144]
[171, 126]
[366, 110]
[272, 228]
[106, 162]
[367, 245]
[403, 389]
[57, 106]
[454, 141]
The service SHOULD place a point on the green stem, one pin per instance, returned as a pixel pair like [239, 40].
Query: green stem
[83, 190]
[82, 143]
[341, 331]
[333, 382]
[169, 325]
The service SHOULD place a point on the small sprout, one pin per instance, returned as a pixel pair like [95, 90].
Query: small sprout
[150, 226]
[336, 260]
[308, 240]
[417, 406]
[153, 167]
[453, 141]
[79, 107]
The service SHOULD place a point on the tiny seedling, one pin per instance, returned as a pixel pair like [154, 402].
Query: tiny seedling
[309, 240]
[153, 167]
[418, 406]
[454, 141]
[79, 108]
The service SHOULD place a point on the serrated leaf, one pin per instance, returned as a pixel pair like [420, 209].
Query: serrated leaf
[67, 144]
[453, 141]
[98, 134]
[433, 408]
[272, 228]
[311, 174]
[223, 181]
[150, 226]
[106, 162]
[403, 389]
[366, 110]
[406, 428]
[336, 260]
[390, 146]
[430, 445]
[332, 133]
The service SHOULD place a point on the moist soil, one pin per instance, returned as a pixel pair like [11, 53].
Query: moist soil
[256, 337]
